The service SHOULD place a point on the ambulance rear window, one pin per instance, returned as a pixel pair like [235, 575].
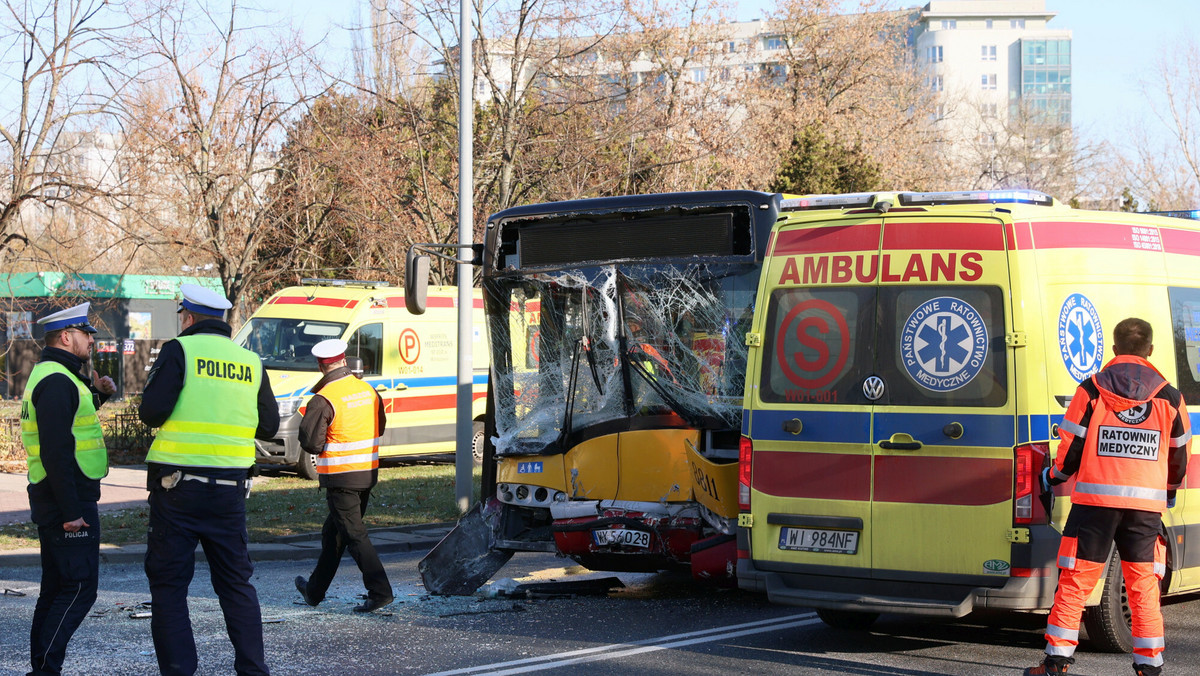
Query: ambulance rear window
[888, 346]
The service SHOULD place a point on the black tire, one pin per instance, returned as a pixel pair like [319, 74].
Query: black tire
[1109, 625]
[849, 620]
[306, 467]
[477, 442]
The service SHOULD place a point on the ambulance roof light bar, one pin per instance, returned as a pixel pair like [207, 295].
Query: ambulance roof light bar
[846, 201]
[314, 281]
[1193, 214]
[976, 197]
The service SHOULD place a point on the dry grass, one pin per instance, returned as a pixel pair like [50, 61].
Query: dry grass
[285, 505]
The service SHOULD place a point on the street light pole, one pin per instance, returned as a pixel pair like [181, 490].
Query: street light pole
[463, 462]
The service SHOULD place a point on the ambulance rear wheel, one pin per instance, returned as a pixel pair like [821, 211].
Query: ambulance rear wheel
[847, 619]
[477, 442]
[306, 466]
[1110, 624]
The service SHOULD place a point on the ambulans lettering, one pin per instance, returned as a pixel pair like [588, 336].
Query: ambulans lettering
[943, 344]
[1132, 443]
[1080, 337]
[225, 370]
[868, 268]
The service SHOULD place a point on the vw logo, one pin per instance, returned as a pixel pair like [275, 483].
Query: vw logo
[873, 388]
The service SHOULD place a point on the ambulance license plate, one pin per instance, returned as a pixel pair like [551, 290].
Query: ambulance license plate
[621, 536]
[819, 540]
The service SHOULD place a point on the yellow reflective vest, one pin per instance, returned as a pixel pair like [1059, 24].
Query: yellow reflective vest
[90, 452]
[214, 419]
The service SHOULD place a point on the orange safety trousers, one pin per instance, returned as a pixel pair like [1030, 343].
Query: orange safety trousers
[1087, 539]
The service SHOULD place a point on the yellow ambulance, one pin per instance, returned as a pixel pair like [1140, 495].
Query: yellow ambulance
[910, 359]
[411, 360]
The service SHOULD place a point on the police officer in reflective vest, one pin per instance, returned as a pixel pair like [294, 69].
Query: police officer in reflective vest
[211, 400]
[1125, 437]
[67, 460]
[342, 425]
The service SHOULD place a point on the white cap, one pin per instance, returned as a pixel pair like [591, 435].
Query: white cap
[330, 350]
[71, 318]
[203, 301]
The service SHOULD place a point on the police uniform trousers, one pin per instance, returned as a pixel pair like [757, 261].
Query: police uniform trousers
[215, 517]
[1087, 540]
[70, 577]
[344, 530]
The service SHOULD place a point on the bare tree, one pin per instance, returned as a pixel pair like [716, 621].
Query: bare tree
[208, 117]
[59, 61]
[1166, 173]
[853, 75]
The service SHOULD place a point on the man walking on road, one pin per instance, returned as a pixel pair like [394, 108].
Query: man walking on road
[1125, 437]
[212, 400]
[67, 460]
[342, 426]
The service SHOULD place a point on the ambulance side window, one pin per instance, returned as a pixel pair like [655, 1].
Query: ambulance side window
[366, 343]
[1185, 329]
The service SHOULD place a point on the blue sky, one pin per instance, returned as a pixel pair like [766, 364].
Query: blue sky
[1114, 43]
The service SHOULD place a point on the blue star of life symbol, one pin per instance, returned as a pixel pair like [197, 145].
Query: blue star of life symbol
[1080, 337]
[943, 344]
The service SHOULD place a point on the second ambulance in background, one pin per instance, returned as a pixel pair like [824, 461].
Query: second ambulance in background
[411, 360]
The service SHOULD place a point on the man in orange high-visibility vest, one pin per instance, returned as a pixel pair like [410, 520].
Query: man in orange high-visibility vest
[342, 426]
[1125, 437]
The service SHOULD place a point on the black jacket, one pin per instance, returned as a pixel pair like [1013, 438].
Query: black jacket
[162, 392]
[57, 499]
[315, 424]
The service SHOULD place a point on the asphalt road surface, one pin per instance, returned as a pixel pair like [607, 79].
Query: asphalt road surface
[659, 624]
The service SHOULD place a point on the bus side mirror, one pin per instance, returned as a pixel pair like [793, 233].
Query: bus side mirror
[416, 282]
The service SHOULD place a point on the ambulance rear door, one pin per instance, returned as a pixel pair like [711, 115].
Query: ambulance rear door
[809, 420]
[943, 427]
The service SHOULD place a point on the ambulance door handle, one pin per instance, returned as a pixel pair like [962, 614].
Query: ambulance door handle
[382, 387]
[900, 442]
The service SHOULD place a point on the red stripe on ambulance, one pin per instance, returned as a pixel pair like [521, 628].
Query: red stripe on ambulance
[305, 300]
[821, 476]
[907, 236]
[427, 403]
[942, 481]
[861, 237]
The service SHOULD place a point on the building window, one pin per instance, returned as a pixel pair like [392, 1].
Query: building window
[935, 83]
[949, 24]
[1016, 24]
[773, 42]
[934, 54]
[987, 52]
[731, 46]
[988, 24]
[989, 110]
[988, 81]
[939, 112]
[987, 140]
[698, 75]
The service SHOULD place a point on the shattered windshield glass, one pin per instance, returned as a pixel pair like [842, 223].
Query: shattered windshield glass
[594, 345]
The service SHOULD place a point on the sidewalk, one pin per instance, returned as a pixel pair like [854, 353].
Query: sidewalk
[125, 487]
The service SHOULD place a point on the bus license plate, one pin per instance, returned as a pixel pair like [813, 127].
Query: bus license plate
[622, 536]
[819, 540]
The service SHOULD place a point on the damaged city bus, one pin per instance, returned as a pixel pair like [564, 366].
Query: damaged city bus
[617, 328]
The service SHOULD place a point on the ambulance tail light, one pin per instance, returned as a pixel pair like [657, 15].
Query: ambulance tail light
[745, 456]
[1029, 459]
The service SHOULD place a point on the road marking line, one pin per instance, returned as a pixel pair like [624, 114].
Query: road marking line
[616, 650]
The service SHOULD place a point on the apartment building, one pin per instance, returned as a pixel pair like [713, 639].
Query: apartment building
[993, 60]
